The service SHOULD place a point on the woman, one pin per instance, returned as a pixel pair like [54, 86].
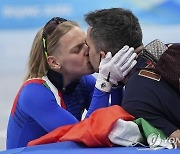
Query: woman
[57, 86]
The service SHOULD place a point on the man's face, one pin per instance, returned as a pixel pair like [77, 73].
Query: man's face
[73, 54]
[94, 56]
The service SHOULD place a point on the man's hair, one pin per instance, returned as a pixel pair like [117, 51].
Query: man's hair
[113, 28]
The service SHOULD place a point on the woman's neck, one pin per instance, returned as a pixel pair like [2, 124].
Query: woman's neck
[62, 82]
[67, 80]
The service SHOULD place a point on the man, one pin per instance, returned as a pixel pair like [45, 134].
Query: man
[147, 95]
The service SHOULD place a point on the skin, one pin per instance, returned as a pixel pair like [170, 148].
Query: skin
[71, 57]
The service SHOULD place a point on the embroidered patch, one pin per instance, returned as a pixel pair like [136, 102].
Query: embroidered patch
[103, 85]
[150, 75]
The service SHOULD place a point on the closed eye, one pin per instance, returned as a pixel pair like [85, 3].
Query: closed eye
[77, 49]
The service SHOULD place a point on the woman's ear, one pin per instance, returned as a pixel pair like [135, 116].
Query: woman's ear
[51, 60]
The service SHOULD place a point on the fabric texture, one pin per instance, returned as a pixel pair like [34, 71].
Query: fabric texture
[155, 101]
[125, 133]
[138, 132]
[154, 137]
[92, 131]
[154, 50]
[168, 66]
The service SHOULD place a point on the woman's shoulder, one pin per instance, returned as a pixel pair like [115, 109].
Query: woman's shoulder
[34, 89]
[34, 94]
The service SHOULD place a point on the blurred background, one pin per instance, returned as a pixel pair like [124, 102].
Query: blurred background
[20, 20]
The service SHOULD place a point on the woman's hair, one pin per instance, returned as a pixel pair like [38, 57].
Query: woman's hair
[37, 64]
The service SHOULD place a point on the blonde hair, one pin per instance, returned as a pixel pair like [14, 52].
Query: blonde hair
[37, 63]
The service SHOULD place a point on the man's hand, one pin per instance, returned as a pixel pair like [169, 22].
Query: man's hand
[114, 69]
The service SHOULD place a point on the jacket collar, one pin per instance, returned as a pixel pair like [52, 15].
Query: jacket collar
[57, 80]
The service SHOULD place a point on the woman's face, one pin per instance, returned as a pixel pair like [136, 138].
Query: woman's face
[73, 54]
